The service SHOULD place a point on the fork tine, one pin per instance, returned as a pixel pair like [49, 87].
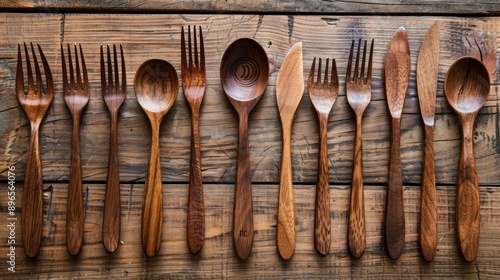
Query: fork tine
[334, 76]
[39, 84]
[71, 74]
[84, 69]
[19, 74]
[369, 76]
[362, 75]
[64, 72]
[319, 72]
[78, 74]
[356, 67]
[190, 65]
[31, 85]
[310, 80]
[349, 64]
[103, 72]
[46, 70]
[110, 70]
[183, 52]
[202, 51]
[196, 62]
[124, 75]
[325, 79]
[117, 80]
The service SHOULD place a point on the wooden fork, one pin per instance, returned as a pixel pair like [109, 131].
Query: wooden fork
[114, 95]
[76, 95]
[358, 95]
[323, 95]
[35, 104]
[193, 85]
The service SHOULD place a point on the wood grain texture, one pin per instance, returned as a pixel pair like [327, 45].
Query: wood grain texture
[484, 7]
[289, 91]
[114, 91]
[467, 86]
[397, 74]
[218, 123]
[427, 79]
[35, 103]
[244, 73]
[158, 36]
[194, 85]
[218, 259]
[76, 96]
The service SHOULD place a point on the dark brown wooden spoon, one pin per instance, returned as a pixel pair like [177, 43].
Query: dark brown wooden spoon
[156, 87]
[466, 88]
[244, 73]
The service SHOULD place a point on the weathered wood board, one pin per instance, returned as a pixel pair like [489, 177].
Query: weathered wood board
[146, 36]
[158, 36]
[218, 259]
[483, 7]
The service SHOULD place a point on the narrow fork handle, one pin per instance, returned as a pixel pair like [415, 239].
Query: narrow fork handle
[196, 212]
[111, 220]
[285, 236]
[243, 209]
[322, 227]
[428, 207]
[468, 207]
[394, 211]
[74, 217]
[152, 210]
[357, 234]
[32, 197]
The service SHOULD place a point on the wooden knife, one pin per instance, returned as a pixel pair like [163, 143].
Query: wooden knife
[427, 78]
[289, 91]
[397, 73]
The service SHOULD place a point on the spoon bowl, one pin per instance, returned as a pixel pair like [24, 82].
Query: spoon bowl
[467, 85]
[156, 87]
[466, 88]
[244, 73]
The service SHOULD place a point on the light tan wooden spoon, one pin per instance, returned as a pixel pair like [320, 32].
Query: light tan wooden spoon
[156, 87]
[466, 88]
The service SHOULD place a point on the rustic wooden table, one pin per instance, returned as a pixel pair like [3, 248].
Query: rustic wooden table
[151, 29]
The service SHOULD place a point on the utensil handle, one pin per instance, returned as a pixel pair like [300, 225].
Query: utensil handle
[243, 209]
[357, 235]
[74, 217]
[394, 211]
[32, 197]
[152, 210]
[428, 206]
[285, 238]
[322, 218]
[111, 220]
[468, 209]
[196, 212]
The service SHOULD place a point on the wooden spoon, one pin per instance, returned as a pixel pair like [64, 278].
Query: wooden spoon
[244, 73]
[156, 87]
[466, 88]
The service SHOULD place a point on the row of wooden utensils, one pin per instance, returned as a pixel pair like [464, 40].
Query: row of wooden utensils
[244, 73]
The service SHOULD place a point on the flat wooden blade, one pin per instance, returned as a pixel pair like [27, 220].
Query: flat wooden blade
[427, 74]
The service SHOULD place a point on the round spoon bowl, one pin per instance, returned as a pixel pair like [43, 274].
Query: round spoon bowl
[156, 85]
[467, 85]
[244, 70]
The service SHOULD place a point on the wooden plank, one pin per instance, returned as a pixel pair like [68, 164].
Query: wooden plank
[484, 7]
[218, 259]
[158, 36]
